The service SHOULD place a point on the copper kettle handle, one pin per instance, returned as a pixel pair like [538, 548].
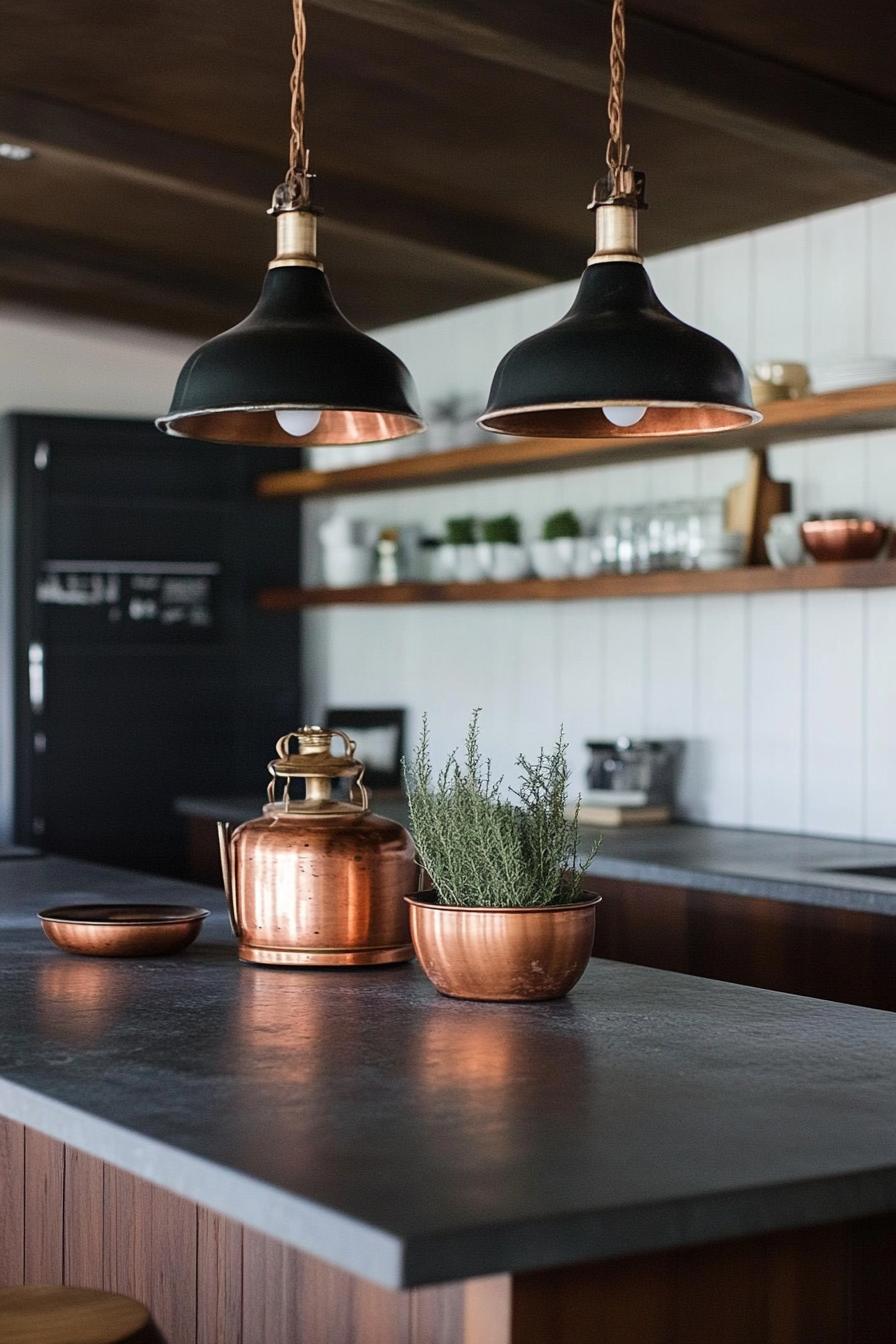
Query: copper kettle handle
[350, 755]
[349, 744]
[359, 787]
[224, 829]
[283, 742]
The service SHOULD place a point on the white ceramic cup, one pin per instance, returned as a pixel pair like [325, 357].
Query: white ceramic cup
[726, 552]
[553, 559]
[508, 562]
[784, 532]
[346, 566]
[460, 564]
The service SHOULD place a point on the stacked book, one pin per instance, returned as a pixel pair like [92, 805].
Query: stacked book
[614, 807]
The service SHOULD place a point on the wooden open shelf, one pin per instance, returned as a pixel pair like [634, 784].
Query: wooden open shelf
[851, 412]
[663, 583]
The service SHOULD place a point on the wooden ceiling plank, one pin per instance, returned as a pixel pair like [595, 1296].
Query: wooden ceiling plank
[237, 180]
[669, 70]
[77, 272]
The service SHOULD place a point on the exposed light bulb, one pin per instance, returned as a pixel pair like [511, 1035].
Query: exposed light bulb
[17, 153]
[298, 423]
[622, 415]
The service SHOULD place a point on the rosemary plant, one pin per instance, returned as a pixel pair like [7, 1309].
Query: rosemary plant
[460, 531]
[562, 524]
[506, 528]
[482, 849]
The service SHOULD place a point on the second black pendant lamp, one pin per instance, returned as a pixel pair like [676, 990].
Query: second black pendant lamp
[295, 371]
[618, 365]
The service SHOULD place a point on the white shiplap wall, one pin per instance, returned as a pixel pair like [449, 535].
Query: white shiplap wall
[789, 700]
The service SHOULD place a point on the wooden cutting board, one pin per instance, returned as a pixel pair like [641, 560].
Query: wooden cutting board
[750, 506]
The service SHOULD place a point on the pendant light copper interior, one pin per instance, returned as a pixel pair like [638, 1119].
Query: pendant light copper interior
[295, 371]
[618, 364]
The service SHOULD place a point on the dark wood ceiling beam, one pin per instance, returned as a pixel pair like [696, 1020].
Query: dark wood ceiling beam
[669, 70]
[77, 273]
[237, 180]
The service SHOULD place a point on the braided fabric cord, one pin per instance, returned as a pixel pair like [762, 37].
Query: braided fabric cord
[616, 149]
[297, 174]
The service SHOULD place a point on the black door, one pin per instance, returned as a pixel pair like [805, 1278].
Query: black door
[143, 670]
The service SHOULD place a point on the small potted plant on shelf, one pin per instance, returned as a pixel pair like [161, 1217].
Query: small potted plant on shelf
[563, 550]
[506, 918]
[502, 556]
[459, 558]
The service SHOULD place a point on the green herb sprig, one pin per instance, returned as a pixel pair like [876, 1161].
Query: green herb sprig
[506, 528]
[562, 524]
[460, 531]
[481, 849]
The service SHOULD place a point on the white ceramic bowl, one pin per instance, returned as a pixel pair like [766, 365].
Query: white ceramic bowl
[784, 550]
[460, 564]
[832, 375]
[553, 559]
[503, 561]
[726, 552]
[346, 566]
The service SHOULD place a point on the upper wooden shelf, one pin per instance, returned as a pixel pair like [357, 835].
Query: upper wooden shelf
[662, 583]
[851, 412]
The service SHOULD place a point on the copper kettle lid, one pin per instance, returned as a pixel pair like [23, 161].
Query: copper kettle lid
[314, 762]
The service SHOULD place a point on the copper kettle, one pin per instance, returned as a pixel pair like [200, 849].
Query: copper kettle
[313, 881]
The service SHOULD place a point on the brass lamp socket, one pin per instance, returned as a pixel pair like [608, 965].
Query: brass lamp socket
[616, 224]
[296, 239]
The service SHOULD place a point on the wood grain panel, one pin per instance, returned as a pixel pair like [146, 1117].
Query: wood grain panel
[338, 1308]
[83, 1220]
[271, 1296]
[44, 1197]
[12, 1203]
[872, 1248]
[843, 955]
[790, 1288]
[165, 1248]
[437, 1315]
[642, 923]
[288, 1295]
[219, 1283]
[150, 1251]
[119, 1231]
[488, 1308]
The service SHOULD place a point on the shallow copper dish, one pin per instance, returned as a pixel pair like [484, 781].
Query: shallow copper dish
[831, 539]
[502, 954]
[122, 930]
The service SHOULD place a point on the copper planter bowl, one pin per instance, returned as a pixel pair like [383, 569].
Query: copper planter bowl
[122, 930]
[831, 539]
[506, 954]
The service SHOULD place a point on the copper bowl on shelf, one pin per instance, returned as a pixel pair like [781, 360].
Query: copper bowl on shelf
[122, 930]
[831, 539]
[504, 954]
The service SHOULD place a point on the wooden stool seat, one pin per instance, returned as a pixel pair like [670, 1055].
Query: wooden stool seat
[40, 1314]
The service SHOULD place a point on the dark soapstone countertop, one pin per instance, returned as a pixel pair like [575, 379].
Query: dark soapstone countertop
[772, 864]
[414, 1139]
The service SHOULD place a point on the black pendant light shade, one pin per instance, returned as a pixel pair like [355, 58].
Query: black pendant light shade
[294, 352]
[618, 365]
[295, 372]
[618, 347]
